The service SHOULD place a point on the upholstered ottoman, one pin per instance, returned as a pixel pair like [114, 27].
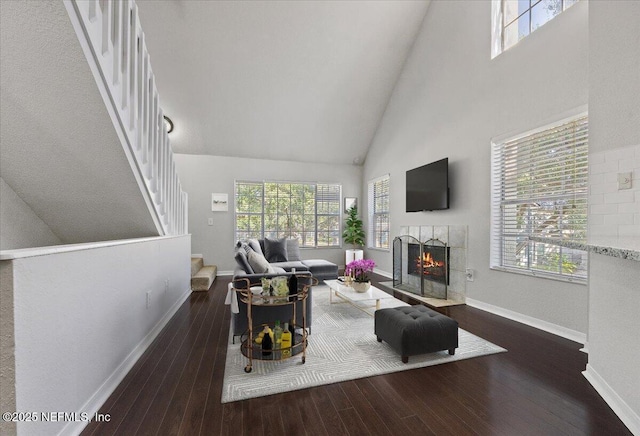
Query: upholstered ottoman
[412, 330]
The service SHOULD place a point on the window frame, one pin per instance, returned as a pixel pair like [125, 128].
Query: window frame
[504, 193]
[373, 235]
[300, 233]
[498, 25]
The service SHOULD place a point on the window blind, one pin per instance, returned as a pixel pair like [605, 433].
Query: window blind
[379, 225]
[539, 189]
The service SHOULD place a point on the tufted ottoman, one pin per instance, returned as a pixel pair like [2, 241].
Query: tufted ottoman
[412, 330]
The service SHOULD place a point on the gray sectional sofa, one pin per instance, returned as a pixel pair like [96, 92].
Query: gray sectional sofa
[283, 255]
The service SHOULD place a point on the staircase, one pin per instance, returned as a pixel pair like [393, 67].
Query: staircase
[113, 42]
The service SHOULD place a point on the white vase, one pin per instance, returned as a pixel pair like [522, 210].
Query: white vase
[361, 286]
[352, 255]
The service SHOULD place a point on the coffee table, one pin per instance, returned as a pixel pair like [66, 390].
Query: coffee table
[352, 297]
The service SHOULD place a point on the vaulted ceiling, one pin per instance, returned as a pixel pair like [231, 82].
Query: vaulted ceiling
[289, 80]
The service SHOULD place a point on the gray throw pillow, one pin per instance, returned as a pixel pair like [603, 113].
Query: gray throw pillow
[293, 250]
[243, 262]
[276, 250]
[258, 263]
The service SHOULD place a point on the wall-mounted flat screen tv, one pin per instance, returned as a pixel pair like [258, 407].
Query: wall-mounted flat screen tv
[428, 187]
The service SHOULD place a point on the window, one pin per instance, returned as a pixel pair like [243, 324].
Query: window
[309, 212]
[515, 19]
[379, 213]
[539, 189]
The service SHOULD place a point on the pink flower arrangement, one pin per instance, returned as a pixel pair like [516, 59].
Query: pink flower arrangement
[358, 269]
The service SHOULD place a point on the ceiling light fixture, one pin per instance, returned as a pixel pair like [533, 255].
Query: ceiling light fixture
[168, 124]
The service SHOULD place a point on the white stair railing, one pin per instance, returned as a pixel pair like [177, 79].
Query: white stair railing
[114, 43]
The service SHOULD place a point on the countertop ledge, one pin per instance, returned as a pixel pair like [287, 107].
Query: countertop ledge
[623, 248]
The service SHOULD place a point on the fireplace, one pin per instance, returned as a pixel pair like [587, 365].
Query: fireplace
[432, 263]
[421, 267]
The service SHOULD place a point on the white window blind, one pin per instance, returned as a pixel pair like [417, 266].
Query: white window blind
[379, 227]
[539, 189]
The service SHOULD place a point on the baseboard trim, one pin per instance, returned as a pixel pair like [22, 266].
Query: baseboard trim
[92, 406]
[617, 404]
[572, 335]
[225, 273]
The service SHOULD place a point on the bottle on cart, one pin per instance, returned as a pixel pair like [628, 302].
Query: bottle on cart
[293, 284]
[277, 336]
[267, 342]
[286, 341]
[292, 329]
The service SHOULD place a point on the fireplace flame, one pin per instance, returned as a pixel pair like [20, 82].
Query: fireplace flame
[427, 261]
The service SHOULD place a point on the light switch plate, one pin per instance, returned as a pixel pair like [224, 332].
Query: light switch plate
[210, 221]
[624, 181]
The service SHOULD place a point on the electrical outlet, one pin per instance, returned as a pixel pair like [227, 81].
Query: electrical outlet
[148, 299]
[166, 286]
[624, 181]
[470, 274]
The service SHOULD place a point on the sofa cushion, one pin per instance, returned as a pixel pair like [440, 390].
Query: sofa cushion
[288, 266]
[322, 269]
[275, 250]
[258, 263]
[293, 249]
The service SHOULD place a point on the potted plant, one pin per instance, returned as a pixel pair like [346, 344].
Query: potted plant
[359, 271]
[353, 234]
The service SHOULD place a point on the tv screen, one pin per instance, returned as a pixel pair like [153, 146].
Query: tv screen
[428, 187]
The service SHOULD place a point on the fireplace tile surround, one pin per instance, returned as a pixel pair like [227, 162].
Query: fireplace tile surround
[455, 236]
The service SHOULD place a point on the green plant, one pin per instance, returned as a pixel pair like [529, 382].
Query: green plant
[353, 233]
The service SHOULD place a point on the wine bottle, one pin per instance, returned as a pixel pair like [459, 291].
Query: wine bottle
[277, 336]
[286, 341]
[267, 342]
[293, 284]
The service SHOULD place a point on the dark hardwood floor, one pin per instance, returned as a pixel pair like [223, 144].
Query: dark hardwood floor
[536, 388]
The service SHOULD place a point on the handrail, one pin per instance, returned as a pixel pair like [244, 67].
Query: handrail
[114, 44]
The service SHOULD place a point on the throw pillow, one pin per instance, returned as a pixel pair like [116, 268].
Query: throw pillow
[258, 263]
[293, 250]
[243, 246]
[275, 250]
[254, 244]
[243, 262]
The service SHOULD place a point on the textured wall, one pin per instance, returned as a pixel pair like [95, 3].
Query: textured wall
[81, 321]
[614, 138]
[20, 227]
[203, 175]
[7, 348]
[451, 99]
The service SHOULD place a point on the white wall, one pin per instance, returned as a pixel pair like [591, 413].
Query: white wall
[203, 175]
[614, 131]
[451, 99]
[20, 227]
[81, 320]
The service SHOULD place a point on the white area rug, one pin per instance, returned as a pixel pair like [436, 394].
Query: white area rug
[342, 346]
